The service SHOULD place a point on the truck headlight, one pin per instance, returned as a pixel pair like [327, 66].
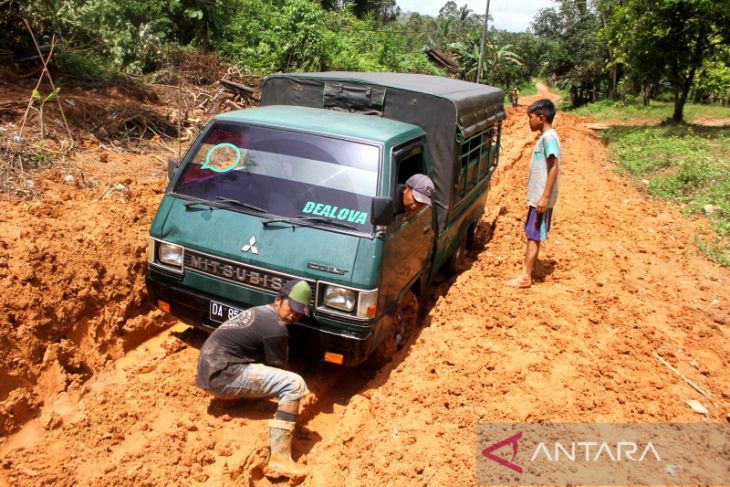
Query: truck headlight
[170, 254]
[362, 304]
[340, 298]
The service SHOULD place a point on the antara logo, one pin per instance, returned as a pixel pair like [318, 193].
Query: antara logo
[512, 440]
[251, 246]
[575, 452]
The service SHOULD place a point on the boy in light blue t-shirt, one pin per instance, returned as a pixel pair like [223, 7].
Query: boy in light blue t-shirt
[542, 186]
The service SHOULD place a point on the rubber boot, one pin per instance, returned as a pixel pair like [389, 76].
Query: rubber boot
[280, 461]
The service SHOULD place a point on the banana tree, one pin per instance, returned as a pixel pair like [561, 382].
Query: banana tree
[496, 57]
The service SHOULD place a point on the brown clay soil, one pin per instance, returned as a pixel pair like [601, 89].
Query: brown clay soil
[85, 400]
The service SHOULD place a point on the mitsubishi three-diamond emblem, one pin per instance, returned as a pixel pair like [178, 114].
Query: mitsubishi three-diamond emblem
[251, 246]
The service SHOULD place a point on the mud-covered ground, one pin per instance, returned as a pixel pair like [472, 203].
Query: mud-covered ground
[619, 282]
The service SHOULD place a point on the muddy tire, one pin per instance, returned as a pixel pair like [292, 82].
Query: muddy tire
[406, 317]
[405, 323]
[472, 241]
[457, 261]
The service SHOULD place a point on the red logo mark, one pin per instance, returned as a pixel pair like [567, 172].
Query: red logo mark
[513, 440]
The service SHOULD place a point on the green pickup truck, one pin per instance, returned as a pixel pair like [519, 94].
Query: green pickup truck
[304, 186]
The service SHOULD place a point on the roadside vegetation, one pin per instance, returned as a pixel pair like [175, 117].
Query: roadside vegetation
[655, 111]
[688, 165]
[593, 50]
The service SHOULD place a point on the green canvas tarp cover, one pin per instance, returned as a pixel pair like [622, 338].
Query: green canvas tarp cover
[449, 111]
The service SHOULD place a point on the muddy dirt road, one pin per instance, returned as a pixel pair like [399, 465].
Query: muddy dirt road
[618, 283]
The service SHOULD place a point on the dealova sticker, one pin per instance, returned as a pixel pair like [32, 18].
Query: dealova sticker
[331, 211]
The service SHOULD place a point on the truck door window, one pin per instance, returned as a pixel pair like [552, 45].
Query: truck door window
[408, 161]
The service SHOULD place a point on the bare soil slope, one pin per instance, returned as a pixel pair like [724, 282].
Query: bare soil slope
[618, 281]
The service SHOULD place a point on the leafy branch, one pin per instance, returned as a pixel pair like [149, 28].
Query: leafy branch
[36, 96]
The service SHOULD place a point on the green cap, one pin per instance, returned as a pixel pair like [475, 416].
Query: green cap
[298, 293]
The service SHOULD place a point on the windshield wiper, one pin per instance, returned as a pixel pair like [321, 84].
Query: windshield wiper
[223, 200]
[240, 203]
[301, 220]
[328, 221]
[209, 204]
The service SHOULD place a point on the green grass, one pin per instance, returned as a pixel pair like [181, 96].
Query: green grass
[657, 111]
[564, 103]
[528, 88]
[685, 164]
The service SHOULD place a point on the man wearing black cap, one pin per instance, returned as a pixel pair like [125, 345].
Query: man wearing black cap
[243, 359]
[415, 194]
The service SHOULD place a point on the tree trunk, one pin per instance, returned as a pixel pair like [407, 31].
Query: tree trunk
[614, 82]
[614, 69]
[680, 97]
[646, 93]
[677, 116]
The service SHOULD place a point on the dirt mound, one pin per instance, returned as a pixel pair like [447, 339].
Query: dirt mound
[73, 234]
[72, 246]
[73, 278]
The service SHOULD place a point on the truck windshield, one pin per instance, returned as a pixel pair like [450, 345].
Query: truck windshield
[284, 173]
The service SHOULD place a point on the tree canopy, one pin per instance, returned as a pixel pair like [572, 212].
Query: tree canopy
[669, 40]
[593, 48]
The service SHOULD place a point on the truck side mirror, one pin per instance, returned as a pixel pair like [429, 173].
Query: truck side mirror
[381, 211]
[171, 168]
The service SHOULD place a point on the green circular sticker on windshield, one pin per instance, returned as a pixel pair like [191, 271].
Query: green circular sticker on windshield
[219, 165]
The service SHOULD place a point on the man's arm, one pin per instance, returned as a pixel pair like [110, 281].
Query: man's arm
[552, 167]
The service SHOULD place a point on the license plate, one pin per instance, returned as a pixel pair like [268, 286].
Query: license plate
[220, 312]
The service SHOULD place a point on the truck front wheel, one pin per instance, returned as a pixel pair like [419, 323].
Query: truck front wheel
[405, 323]
[457, 261]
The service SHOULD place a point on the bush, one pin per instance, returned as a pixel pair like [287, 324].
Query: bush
[84, 67]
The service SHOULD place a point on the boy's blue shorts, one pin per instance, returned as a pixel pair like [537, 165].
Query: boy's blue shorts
[537, 225]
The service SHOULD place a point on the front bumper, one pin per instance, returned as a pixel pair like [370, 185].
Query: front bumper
[309, 339]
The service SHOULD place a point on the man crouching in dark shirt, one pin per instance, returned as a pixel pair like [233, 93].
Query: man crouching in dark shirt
[243, 359]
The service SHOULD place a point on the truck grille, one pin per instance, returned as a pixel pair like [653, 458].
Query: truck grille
[235, 272]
